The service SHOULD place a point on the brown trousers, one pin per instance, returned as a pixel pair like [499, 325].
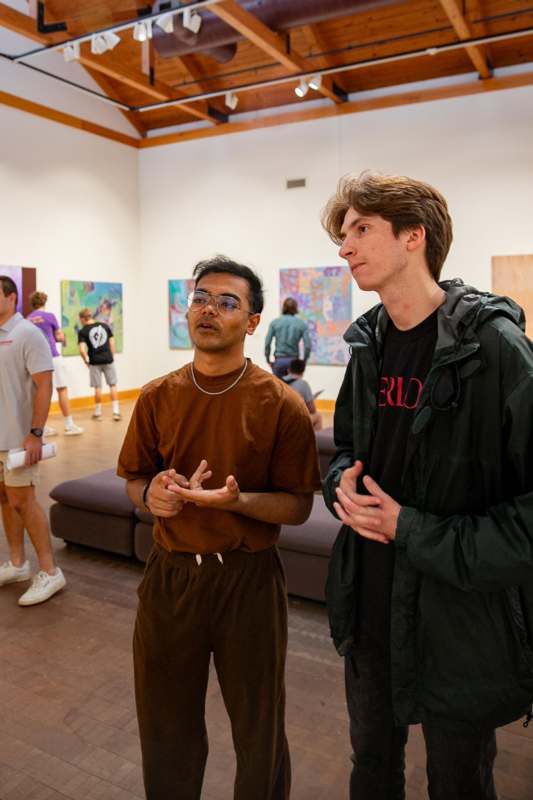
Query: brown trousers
[236, 610]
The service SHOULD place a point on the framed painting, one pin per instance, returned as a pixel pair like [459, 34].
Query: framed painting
[324, 297]
[105, 302]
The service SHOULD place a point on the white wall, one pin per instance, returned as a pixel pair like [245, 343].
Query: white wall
[228, 195]
[69, 207]
[80, 207]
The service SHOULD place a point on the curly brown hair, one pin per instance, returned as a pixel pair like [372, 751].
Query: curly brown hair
[404, 202]
[38, 299]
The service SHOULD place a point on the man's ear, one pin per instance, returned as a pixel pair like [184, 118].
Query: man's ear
[416, 237]
[253, 322]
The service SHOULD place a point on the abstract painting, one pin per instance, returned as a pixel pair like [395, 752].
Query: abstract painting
[25, 279]
[105, 302]
[324, 297]
[178, 331]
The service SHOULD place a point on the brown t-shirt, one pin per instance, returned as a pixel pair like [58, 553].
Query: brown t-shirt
[260, 431]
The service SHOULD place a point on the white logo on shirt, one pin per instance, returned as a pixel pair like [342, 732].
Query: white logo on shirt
[98, 336]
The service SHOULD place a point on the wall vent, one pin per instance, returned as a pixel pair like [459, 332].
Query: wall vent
[296, 183]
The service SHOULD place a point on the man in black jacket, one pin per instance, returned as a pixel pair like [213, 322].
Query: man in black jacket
[431, 602]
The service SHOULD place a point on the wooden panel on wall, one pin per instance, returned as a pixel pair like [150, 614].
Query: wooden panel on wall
[513, 276]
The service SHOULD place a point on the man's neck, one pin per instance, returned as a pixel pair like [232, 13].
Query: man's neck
[6, 317]
[218, 363]
[409, 305]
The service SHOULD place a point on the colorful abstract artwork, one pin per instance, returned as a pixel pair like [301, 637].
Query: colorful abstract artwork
[105, 302]
[25, 279]
[178, 331]
[324, 297]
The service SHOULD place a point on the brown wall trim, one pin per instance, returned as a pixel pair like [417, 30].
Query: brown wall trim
[354, 107]
[39, 110]
[88, 402]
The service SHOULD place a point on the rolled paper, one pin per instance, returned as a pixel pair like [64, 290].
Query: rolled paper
[16, 458]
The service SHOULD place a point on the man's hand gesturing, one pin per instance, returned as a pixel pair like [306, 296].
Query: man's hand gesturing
[159, 499]
[221, 498]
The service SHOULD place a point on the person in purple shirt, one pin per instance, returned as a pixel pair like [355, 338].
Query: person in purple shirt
[49, 325]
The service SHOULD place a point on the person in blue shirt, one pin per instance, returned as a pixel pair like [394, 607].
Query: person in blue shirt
[287, 330]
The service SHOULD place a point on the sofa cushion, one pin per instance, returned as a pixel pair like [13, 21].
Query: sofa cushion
[109, 532]
[103, 492]
[144, 516]
[315, 536]
[325, 442]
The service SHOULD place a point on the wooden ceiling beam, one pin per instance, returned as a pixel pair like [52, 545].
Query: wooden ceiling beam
[25, 26]
[104, 84]
[315, 38]
[463, 31]
[38, 110]
[269, 42]
[351, 107]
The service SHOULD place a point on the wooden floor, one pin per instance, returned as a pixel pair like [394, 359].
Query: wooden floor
[67, 718]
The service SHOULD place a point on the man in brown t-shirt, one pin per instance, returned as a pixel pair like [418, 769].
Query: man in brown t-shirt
[222, 453]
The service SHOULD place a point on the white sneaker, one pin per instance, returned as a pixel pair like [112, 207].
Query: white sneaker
[9, 573]
[97, 417]
[73, 430]
[43, 586]
[117, 416]
[49, 431]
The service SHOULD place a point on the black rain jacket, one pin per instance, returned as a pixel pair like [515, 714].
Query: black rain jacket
[462, 597]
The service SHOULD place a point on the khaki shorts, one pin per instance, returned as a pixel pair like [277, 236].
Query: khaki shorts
[24, 476]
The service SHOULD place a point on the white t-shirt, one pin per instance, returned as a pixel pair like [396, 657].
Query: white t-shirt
[24, 351]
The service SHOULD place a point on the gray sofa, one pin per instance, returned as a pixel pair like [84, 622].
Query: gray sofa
[95, 511]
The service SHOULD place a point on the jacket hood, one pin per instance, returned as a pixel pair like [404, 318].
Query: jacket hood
[464, 310]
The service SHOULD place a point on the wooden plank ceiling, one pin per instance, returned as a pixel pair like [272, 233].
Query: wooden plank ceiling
[377, 30]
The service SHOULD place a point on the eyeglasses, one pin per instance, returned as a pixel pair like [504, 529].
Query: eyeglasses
[222, 303]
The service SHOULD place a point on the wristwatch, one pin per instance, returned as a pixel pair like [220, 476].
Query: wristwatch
[38, 432]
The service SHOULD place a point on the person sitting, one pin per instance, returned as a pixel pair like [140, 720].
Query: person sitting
[295, 380]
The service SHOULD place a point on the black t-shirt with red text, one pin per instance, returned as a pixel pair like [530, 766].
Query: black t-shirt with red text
[407, 357]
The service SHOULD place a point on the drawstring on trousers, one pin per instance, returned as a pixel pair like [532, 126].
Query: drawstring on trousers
[198, 558]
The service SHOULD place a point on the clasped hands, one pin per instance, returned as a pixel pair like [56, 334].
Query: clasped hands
[169, 491]
[373, 516]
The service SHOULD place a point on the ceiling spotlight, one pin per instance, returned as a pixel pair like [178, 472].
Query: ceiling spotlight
[166, 22]
[191, 20]
[315, 82]
[71, 52]
[231, 100]
[142, 31]
[101, 42]
[302, 88]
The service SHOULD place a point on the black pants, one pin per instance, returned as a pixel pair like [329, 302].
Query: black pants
[237, 611]
[459, 766]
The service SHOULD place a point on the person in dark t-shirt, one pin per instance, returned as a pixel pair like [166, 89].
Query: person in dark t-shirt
[97, 349]
[428, 586]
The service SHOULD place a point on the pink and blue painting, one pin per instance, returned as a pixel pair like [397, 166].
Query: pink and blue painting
[324, 297]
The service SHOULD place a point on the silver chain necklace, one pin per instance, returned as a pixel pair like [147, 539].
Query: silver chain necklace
[235, 382]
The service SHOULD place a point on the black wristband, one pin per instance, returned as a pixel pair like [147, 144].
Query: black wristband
[145, 493]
